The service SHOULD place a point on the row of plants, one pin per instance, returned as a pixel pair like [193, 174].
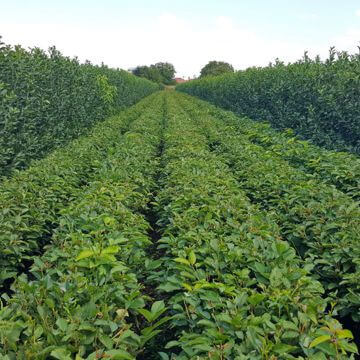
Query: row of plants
[321, 222]
[32, 199]
[46, 99]
[340, 169]
[235, 289]
[82, 298]
[319, 100]
[225, 281]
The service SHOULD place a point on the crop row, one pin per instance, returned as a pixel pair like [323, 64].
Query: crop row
[340, 169]
[82, 297]
[222, 282]
[321, 222]
[32, 199]
[234, 288]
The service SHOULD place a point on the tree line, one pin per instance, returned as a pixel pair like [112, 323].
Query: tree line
[164, 72]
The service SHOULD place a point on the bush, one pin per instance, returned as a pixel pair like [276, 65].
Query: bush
[47, 99]
[319, 100]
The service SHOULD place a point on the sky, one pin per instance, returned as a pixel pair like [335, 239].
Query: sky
[186, 33]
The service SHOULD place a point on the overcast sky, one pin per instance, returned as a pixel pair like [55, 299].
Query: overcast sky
[187, 33]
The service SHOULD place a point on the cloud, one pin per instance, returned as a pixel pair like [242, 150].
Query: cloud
[357, 13]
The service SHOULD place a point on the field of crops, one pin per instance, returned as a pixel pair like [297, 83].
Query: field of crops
[177, 230]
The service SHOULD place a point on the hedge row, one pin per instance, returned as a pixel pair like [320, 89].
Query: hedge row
[46, 99]
[318, 100]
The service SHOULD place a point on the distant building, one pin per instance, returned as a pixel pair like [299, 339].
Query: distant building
[179, 80]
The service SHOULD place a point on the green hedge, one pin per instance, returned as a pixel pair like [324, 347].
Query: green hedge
[47, 99]
[319, 100]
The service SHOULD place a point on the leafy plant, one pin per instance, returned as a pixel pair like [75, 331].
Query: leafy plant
[47, 99]
[235, 288]
[83, 298]
[319, 100]
[169, 233]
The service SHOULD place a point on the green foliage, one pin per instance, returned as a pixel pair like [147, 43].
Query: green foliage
[46, 99]
[155, 237]
[318, 100]
[83, 298]
[340, 169]
[167, 72]
[215, 68]
[321, 222]
[32, 200]
[148, 72]
[236, 290]
[161, 73]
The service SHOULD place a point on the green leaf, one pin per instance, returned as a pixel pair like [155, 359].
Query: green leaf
[119, 268]
[114, 249]
[182, 261]
[109, 220]
[62, 324]
[158, 306]
[148, 334]
[41, 310]
[106, 341]
[87, 327]
[85, 254]
[256, 299]
[163, 320]
[214, 244]
[163, 356]
[50, 303]
[350, 347]
[171, 344]
[88, 310]
[61, 354]
[192, 257]
[283, 348]
[320, 340]
[344, 334]
[169, 287]
[119, 355]
[13, 332]
[207, 323]
[187, 286]
[147, 314]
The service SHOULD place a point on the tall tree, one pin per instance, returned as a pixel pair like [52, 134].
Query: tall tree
[216, 68]
[161, 72]
[167, 71]
[148, 72]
